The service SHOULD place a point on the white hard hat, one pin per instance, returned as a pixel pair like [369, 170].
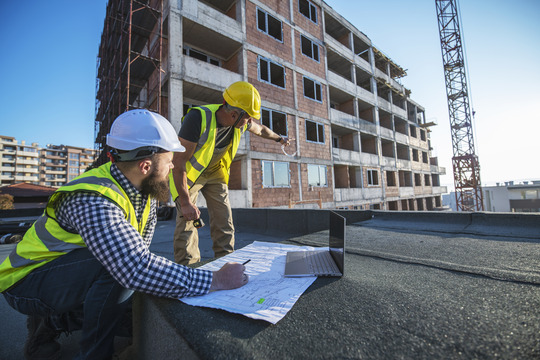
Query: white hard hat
[142, 128]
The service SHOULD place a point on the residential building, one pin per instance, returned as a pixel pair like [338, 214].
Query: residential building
[61, 163]
[53, 165]
[512, 197]
[19, 162]
[361, 141]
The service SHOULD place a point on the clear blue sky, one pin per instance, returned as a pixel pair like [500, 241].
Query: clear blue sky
[48, 70]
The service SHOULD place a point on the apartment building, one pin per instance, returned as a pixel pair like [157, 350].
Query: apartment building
[61, 163]
[19, 162]
[512, 196]
[360, 142]
[53, 165]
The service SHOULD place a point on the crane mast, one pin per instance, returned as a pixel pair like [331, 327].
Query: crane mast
[465, 163]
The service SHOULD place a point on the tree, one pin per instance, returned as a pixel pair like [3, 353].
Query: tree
[6, 202]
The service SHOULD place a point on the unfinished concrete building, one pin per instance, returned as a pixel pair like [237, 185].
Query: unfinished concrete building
[361, 141]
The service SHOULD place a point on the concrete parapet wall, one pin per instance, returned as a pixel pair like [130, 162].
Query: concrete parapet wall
[493, 224]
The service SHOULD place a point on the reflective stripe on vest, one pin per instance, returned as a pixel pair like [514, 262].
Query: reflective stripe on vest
[205, 148]
[46, 239]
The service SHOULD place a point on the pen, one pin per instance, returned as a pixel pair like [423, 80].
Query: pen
[245, 262]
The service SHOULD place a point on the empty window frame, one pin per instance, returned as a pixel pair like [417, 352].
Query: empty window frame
[391, 178]
[269, 25]
[415, 155]
[312, 89]
[200, 56]
[314, 132]
[275, 174]
[271, 72]
[317, 175]
[308, 10]
[412, 130]
[372, 177]
[275, 120]
[309, 48]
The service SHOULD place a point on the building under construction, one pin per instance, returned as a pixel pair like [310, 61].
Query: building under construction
[360, 141]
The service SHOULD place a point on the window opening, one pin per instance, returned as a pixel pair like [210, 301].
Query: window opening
[271, 72]
[317, 175]
[308, 10]
[275, 120]
[269, 25]
[373, 177]
[275, 174]
[314, 132]
[312, 89]
[309, 48]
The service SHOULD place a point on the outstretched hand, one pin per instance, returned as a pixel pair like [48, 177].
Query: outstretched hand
[230, 276]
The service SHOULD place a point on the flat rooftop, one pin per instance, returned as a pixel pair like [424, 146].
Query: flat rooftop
[417, 285]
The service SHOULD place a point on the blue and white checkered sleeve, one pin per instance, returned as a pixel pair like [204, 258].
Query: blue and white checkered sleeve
[123, 252]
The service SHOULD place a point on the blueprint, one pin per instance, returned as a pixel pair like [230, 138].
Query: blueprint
[268, 295]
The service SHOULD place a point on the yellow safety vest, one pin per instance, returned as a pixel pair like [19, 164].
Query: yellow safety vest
[46, 240]
[205, 148]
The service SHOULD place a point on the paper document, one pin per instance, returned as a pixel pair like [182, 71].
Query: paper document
[268, 295]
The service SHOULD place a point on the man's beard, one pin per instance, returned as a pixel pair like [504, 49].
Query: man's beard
[159, 189]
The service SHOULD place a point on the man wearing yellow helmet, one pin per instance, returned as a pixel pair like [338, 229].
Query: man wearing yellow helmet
[211, 134]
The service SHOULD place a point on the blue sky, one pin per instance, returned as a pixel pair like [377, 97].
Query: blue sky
[48, 69]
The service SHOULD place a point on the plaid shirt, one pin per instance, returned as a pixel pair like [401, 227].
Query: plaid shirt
[120, 248]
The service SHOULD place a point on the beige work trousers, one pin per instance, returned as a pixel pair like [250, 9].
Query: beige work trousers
[186, 237]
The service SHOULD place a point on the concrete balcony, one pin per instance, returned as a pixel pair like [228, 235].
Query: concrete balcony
[388, 162]
[341, 49]
[27, 178]
[386, 133]
[401, 138]
[340, 118]
[28, 162]
[237, 198]
[347, 157]
[357, 194]
[200, 72]
[28, 170]
[362, 64]
[369, 159]
[439, 190]
[406, 191]
[341, 83]
[399, 111]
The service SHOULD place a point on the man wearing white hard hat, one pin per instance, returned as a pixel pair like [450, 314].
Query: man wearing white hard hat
[78, 265]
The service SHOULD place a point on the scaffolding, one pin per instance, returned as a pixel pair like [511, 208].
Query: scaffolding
[129, 64]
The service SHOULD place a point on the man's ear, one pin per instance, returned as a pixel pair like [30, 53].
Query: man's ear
[145, 166]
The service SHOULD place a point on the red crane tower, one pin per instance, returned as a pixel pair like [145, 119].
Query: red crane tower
[464, 161]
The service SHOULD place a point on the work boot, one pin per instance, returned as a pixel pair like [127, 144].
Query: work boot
[41, 341]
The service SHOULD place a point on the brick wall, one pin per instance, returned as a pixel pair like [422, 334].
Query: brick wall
[308, 105]
[307, 63]
[327, 194]
[314, 29]
[268, 91]
[314, 150]
[258, 143]
[264, 41]
[264, 197]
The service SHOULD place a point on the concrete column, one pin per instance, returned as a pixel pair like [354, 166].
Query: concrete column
[175, 66]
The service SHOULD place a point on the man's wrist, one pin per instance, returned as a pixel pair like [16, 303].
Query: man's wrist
[279, 139]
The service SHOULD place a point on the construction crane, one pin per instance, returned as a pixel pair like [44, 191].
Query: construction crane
[465, 163]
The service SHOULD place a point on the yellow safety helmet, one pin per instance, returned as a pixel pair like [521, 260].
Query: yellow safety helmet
[243, 95]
